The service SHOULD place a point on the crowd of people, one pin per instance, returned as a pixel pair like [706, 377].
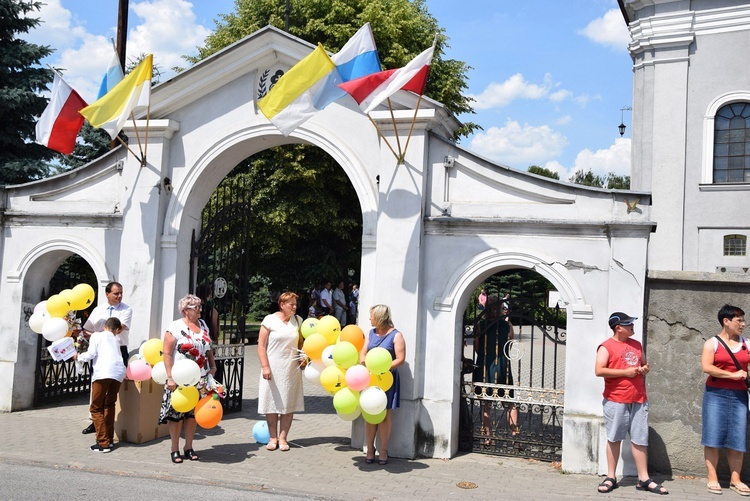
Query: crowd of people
[341, 302]
[620, 361]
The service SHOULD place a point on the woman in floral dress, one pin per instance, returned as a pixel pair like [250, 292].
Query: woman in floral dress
[187, 337]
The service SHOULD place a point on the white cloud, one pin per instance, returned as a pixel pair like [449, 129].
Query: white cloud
[564, 120]
[57, 28]
[561, 170]
[609, 30]
[615, 159]
[497, 95]
[559, 95]
[519, 146]
[166, 28]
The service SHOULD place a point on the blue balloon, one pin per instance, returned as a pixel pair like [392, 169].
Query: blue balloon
[261, 433]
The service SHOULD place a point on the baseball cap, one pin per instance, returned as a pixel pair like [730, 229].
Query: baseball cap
[620, 318]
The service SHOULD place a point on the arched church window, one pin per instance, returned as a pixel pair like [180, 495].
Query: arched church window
[732, 144]
[735, 245]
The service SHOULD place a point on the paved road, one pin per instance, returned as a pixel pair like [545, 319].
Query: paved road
[321, 465]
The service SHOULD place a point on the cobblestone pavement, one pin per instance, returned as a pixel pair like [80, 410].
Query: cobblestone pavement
[321, 464]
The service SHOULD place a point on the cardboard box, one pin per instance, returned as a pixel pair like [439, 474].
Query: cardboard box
[137, 412]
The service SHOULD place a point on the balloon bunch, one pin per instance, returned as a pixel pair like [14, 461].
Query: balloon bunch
[55, 318]
[334, 364]
[186, 373]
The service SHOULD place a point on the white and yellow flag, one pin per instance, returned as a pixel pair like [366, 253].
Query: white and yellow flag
[133, 92]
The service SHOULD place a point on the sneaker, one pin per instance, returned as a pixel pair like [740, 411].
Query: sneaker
[99, 448]
[89, 429]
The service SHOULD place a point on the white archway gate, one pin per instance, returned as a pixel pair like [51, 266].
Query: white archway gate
[432, 229]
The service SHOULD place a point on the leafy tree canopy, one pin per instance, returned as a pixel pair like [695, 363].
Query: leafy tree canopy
[21, 80]
[543, 171]
[611, 181]
[402, 29]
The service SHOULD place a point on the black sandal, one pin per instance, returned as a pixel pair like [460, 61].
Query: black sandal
[191, 455]
[608, 487]
[645, 485]
[176, 458]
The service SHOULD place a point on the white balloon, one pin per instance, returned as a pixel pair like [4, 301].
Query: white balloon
[54, 328]
[313, 370]
[186, 372]
[159, 373]
[41, 307]
[327, 356]
[373, 400]
[36, 322]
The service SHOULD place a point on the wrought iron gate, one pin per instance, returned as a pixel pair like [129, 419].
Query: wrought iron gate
[512, 391]
[56, 381]
[220, 264]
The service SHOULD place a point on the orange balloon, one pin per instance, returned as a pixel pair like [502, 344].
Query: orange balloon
[208, 411]
[314, 346]
[354, 335]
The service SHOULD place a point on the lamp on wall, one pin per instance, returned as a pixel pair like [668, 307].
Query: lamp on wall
[622, 127]
[448, 161]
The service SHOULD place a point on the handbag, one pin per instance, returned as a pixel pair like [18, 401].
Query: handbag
[736, 363]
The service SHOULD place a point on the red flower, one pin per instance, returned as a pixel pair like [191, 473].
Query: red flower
[194, 352]
[185, 347]
[201, 361]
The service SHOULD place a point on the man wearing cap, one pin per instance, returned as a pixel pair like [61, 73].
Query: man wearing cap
[114, 307]
[621, 362]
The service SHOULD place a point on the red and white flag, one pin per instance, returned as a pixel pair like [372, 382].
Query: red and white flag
[371, 90]
[60, 123]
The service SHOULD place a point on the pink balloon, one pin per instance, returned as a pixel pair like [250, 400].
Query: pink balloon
[357, 377]
[138, 370]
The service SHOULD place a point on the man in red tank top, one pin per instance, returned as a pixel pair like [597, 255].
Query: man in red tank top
[621, 362]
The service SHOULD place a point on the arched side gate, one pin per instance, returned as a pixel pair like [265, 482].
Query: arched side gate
[512, 391]
[56, 381]
[220, 268]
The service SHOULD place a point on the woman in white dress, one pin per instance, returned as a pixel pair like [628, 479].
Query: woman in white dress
[280, 392]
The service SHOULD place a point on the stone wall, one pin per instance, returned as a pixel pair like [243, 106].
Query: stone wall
[681, 315]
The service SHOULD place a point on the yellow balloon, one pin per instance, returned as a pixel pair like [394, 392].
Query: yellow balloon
[83, 296]
[330, 328]
[153, 351]
[67, 296]
[332, 379]
[57, 306]
[185, 398]
[384, 380]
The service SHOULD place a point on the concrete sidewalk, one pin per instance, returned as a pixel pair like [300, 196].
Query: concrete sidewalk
[321, 464]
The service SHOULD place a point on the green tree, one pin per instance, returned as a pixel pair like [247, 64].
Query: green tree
[587, 178]
[611, 181]
[543, 171]
[22, 79]
[617, 182]
[402, 29]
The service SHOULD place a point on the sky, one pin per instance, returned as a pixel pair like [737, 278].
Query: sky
[550, 77]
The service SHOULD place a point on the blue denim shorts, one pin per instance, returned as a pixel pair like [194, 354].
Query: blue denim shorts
[724, 419]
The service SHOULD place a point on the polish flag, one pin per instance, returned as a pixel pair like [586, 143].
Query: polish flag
[60, 123]
[371, 90]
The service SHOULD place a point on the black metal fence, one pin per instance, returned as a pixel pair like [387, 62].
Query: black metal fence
[513, 379]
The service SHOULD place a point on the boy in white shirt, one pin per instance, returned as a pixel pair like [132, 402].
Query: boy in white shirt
[108, 373]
